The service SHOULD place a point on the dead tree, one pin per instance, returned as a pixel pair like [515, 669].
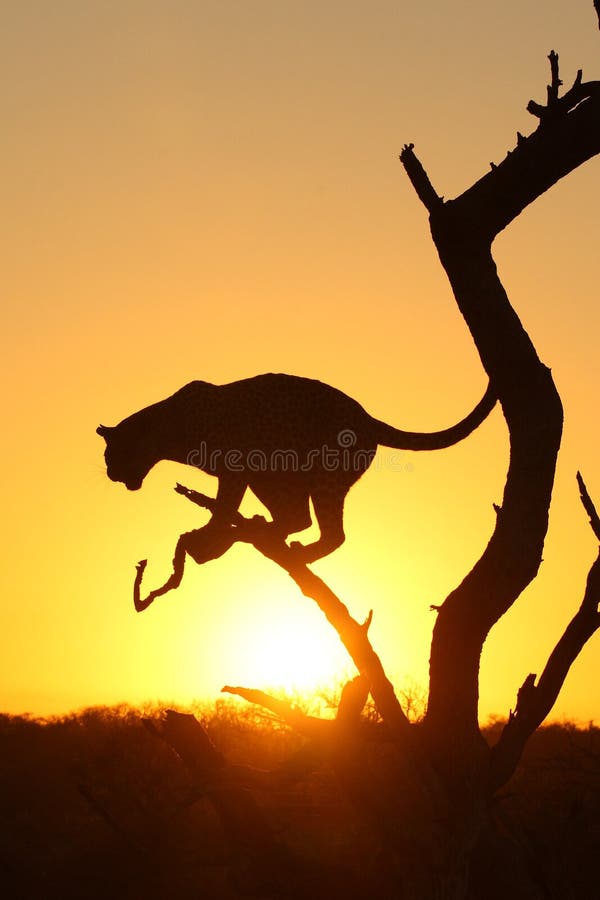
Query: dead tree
[444, 774]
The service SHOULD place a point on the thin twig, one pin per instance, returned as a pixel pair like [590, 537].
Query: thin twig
[555, 83]
[588, 504]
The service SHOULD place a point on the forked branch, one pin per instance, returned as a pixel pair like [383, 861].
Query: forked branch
[535, 164]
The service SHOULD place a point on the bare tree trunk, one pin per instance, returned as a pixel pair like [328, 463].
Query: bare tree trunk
[463, 231]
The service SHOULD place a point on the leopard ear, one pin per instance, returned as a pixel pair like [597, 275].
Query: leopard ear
[104, 431]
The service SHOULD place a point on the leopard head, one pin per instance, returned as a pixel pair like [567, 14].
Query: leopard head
[127, 457]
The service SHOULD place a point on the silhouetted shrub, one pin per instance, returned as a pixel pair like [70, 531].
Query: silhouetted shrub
[92, 805]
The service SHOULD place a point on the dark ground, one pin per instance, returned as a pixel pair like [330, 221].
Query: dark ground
[93, 806]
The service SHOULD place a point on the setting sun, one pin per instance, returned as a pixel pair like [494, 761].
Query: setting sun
[295, 650]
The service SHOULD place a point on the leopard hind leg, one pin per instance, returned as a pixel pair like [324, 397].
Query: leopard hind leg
[289, 505]
[328, 501]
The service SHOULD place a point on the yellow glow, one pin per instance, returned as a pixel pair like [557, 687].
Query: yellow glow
[291, 651]
[214, 192]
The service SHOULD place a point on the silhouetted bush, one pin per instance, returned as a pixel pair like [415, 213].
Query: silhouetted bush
[93, 806]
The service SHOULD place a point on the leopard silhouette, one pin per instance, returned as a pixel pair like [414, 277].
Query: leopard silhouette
[291, 440]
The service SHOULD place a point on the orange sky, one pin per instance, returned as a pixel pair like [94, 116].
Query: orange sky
[211, 190]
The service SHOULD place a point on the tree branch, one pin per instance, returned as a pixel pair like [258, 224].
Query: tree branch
[528, 170]
[534, 702]
[310, 726]
[567, 136]
[540, 160]
[419, 178]
[353, 634]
